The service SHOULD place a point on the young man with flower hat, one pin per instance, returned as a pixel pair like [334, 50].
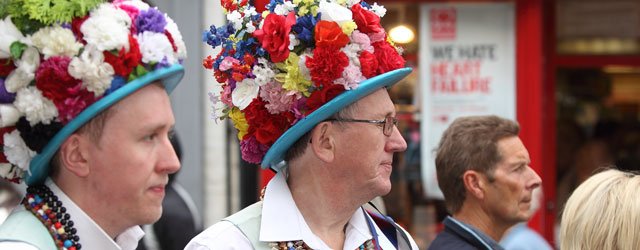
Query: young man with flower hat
[305, 85]
[86, 120]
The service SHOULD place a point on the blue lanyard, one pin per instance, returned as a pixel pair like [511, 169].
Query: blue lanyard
[374, 233]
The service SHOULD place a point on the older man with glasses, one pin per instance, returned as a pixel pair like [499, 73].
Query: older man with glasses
[305, 84]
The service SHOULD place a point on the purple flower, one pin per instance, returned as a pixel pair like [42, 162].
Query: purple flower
[5, 96]
[151, 20]
[252, 150]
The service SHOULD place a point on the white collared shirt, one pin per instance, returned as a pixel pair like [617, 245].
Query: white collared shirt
[282, 221]
[91, 235]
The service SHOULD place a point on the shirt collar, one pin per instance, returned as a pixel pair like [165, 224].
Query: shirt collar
[91, 235]
[485, 240]
[282, 221]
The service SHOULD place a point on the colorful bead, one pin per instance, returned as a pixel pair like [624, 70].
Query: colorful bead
[46, 206]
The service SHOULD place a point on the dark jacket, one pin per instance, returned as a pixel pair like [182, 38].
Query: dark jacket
[459, 236]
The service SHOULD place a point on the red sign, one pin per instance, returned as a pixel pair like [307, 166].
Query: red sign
[443, 23]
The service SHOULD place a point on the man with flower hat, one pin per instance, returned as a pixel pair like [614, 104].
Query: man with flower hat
[86, 119]
[305, 86]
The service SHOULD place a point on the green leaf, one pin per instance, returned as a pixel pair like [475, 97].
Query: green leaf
[16, 49]
[140, 70]
[56, 11]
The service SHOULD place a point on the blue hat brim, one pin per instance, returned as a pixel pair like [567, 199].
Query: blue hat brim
[39, 166]
[274, 158]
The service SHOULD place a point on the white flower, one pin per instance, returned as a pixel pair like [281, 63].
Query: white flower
[154, 47]
[107, 28]
[217, 107]
[244, 93]
[263, 72]
[334, 12]
[36, 107]
[177, 37]
[17, 151]
[352, 51]
[96, 75]
[293, 41]
[284, 9]
[9, 115]
[56, 41]
[235, 18]
[8, 35]
[250, 11]
[378, 9]
[352, 2]
[25, 71]
[9, 171]
[250, 28]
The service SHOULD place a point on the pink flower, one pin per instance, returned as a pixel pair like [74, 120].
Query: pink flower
[278, 100]
[225, 96]
[252, 150]
[227, 63]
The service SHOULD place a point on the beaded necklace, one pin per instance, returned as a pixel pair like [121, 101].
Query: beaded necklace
[45, 205]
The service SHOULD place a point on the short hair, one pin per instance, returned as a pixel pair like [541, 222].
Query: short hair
[470, 143]
[298, 148]
[93, 128]
[603, 213]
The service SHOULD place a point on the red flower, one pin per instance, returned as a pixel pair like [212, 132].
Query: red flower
[326, 65]
[124, 62]
[368, 64]
[76, 23]
[329, 33]
[274, 35]
[207, 63]
[322, 96]
[53, 79]
[228, 5]
[6, 66]
[266, 127]
[72, 106]
[367, 21]
[388, 58]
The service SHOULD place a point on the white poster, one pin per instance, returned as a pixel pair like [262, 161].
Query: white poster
[467, 67]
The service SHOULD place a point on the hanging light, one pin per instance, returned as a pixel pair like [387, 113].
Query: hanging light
[401, 34]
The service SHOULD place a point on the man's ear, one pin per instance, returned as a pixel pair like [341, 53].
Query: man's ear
[74, 153]
[474, 183]
[322, 142]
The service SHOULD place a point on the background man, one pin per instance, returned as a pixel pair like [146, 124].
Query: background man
[86, 122]
[484, 173]
[307, 95]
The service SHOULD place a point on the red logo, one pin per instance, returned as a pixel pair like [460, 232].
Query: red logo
[443, 23]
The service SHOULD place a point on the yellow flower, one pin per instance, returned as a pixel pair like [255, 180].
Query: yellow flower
[239, 122]
[348, 27]
[293, 79]
[306, 7]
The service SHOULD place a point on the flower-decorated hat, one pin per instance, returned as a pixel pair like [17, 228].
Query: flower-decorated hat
[294, 65]
[63, 62]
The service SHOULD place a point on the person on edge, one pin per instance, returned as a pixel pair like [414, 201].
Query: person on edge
[483, 171]
[305, 85]
[602, 213]
[86, 120]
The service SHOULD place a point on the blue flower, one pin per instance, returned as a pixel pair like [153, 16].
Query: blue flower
[304, 28]
[216, 36]
[365, 5]
[272, 5]
[116, 83]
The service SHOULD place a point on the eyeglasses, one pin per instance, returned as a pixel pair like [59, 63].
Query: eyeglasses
[387, 124]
